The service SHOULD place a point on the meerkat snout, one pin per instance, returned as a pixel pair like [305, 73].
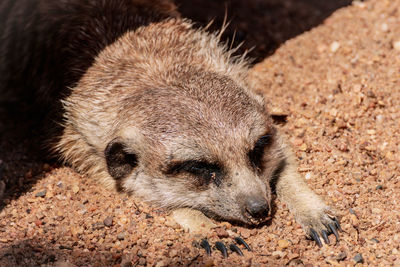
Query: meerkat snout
[257, 208]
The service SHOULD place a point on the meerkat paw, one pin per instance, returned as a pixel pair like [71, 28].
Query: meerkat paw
[319, 223]
[192, 221]
[195, 222]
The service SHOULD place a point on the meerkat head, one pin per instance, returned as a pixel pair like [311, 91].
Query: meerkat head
[165, 113]
[204, 143]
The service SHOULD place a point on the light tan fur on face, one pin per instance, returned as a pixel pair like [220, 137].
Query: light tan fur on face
[172, 93]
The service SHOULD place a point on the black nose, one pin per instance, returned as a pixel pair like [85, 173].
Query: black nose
[257, 207]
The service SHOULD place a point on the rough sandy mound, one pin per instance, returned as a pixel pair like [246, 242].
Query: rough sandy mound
[338, 85]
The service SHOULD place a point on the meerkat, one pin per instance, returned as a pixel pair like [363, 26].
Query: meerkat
[153, 107]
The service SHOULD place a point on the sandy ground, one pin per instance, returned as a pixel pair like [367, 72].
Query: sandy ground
[337, 85]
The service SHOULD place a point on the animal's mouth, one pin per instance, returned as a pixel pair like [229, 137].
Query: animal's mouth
[242, 220]
[257, 221]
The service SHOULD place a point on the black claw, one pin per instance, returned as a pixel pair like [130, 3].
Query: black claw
[325, 237]
[338, 224]
[221, 247]
[240, 241]
[315, 236]
[334, 231]
[236, 249]
[204, 244]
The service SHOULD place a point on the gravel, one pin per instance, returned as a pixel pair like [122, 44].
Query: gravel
[108, 221]
[337, 86]
[41, 193]
[341, 256]
[358, 258]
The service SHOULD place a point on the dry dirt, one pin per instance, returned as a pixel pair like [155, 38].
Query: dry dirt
[337, 85]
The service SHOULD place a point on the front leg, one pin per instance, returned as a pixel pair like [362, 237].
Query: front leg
[193, 221]
[316, 218]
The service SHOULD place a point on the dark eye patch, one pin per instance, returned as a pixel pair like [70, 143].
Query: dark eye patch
[120, 163]
[256, 155]
[204, 171]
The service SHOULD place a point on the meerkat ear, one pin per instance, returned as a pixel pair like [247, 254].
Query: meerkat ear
[120, 162]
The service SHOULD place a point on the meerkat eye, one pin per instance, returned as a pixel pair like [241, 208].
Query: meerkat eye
[120, 163]
[206, 171]
[256, 155]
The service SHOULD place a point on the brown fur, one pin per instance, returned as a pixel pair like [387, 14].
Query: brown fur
[164, 111]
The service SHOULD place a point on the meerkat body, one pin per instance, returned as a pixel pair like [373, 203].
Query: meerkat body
[156, 108]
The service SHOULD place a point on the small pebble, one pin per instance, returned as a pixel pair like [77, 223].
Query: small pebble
[98, 225]
[358, 258]
[278, 254]
[354, 219]
[297, 141]
[41, 193]
[277, 111]
[396, 45]
[343, 147]
[49, 194]
[161, 264]
[121, 236]
[341, 256]
[283, 243]
[226, 225]
[334, 46]
[303, 147]
[75, 189]
[384, 27]
[108, 221]
[221, 232]
[245, 233]
[379, 187]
